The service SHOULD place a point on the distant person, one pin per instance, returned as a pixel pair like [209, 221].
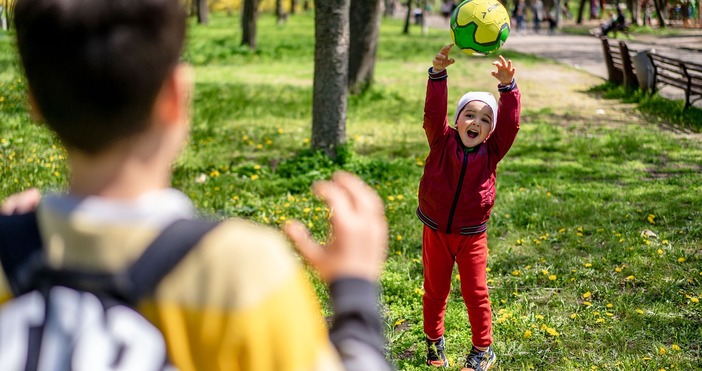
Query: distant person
[519, 14]
[106, 78]
[456, 195]
[537, 7]
[616, 23]
[447, 9]
[552, 24]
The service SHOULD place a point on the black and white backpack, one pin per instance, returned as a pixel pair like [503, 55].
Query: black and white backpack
[63, 320]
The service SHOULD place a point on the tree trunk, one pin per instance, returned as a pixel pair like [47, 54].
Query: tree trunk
[660, 8]
[364, 18]
[407, 18]
[249, 14]
[279, 12]
[331, 56]
[203, 12]
[581, 10]
[293, 6]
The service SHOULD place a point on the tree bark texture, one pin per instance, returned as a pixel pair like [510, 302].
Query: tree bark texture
[364, 19]
[249, 15]
[331, 55]
[203, 12]
[660, 12]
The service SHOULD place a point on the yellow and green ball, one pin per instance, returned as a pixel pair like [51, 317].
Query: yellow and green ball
[479, 26]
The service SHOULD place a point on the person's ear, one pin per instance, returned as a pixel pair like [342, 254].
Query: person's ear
[172, 104]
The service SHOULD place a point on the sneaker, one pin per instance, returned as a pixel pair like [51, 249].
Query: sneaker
[435, 353]
[478, 360]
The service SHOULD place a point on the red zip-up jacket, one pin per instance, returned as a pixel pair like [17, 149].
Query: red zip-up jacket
[457, 190]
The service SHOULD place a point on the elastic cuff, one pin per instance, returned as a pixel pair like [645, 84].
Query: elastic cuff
[437, 75]
[505, 88]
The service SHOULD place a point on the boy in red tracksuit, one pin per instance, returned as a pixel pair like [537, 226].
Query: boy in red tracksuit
[456, 195]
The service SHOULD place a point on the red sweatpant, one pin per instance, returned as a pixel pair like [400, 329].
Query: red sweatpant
[439, 252]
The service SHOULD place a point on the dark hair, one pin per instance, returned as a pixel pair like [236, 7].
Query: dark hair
[94, 67]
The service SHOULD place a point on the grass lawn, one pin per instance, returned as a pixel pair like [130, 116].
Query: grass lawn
[595, 254]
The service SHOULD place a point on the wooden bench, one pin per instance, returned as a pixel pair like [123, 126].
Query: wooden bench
[620, 69]
[677, 73]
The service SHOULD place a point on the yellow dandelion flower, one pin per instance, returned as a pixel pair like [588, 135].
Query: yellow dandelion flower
[515, 273]
[257, 167]
[662, 351]
[587, 295]
[552, 277]
[630, 278]
[391, 198]
[588, 265]
[487, 269]
[608, 314]
[646, 358]
[457, 277]
[664, 242]
[660, 251]
[306, 140]
[539, 316]
[573, 316]
[527, 334]
[544, 272]
[617, 269]
[640, 311]
[675, 347]
[681, 260]
[561, 230]
[600, 320]
[419, 291]
[553, 332]
[254, 177]
[695, 300]
[400, 197]
[399, 321]
[399, 237]
[587, 303]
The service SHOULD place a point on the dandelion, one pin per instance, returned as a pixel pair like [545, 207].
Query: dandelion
[539, 317]
[399, 322]
[664, 242]
[662, 351]
[608, 314]
[552, 277]
[675, 347]
[681, 260]
[561, 230]
[695, 300]
[600, 320]
[400, 197]
[573, 316]
[630, 278]
[587, 303]
[515, 273]
[458, 277]
[588, 265]
[660, 251]
[640, 311]
[587, 295]
[617, 269]
[399, 237]
[419, 291]
[527, 334]
[253, 177]
[552, 332]
[391, 198]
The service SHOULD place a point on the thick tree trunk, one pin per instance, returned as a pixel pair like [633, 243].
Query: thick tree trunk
[249, 14]
[331, 57]
[279, 12]
[364, 19]
[407, 18]
[203, 12]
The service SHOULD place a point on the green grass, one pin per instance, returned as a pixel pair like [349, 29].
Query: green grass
[574, 283]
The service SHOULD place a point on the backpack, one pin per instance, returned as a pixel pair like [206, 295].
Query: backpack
[77, 320]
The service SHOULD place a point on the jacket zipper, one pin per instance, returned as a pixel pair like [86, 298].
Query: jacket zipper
[458, 192]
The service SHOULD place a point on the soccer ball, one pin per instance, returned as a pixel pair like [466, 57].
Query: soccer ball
[479, 26]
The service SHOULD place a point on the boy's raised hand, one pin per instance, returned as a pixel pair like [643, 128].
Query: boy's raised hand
[358, 243]
[442, 60]
[505, 71]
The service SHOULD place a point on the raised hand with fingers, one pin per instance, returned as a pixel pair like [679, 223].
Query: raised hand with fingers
[21, 203]
[442, 60]
[505, 71]
[358, 244]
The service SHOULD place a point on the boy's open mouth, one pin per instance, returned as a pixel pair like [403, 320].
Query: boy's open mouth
[472, 133]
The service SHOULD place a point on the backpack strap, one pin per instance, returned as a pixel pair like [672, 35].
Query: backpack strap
[20, 245]
[26, 273]
[169, 248]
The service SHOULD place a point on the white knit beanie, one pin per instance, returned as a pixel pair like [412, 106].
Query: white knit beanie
[482, 96]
